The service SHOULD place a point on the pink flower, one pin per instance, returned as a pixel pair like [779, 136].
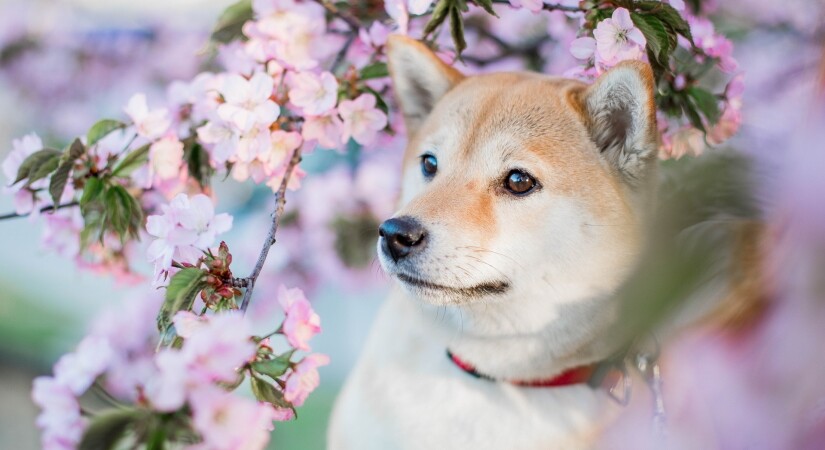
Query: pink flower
[216, 350]
[24, 199]
[78, 370]
[61, 232]
[282, 144]
[222, 138]
[188, 323]
[418, 7]
[60, 420]
[186, 227]
[713, 43]
[304, 378]
[166, 157]
[315, 94]
[301, 323]
[398, 12]
[247, 102]
[617, 39]
[167, 388]
[532, 5]
[230, 422]
[150, 124]
[325, 129]
[283, 414]
[583, 48]
[376, 35]
[362, 121]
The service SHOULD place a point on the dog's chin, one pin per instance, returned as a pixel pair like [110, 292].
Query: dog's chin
[440, 294]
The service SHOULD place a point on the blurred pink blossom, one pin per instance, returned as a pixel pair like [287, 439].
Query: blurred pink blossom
[325, 129]
[230, 422]
[149, 124]
[304, 378]
[247, 102]
[362, 120]
[186, 227]
[301, 323]
[314, 94]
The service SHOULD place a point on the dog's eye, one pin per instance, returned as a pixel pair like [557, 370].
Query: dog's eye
[519, 182]
[429, 165]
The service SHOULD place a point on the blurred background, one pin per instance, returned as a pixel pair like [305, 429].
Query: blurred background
[63, 64]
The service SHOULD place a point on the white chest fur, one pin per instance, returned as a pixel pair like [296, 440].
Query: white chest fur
[405, 394]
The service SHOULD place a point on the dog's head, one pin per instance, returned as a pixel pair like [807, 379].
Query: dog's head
[518, 185]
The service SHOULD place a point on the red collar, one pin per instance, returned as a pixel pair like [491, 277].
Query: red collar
[576, 375]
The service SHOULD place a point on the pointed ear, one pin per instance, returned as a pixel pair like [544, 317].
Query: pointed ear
[419, 78]
[620, 113]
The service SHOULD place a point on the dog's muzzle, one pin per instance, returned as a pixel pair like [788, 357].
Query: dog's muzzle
[401, 237]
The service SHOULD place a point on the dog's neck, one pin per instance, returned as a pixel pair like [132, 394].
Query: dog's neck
[525, 337]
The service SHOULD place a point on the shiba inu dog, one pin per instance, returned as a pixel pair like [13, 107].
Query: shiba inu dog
[523, 208]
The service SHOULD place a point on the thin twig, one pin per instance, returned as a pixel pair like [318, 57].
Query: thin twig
[42, 210]
[549, 7]
[280, 201]
[351, 20]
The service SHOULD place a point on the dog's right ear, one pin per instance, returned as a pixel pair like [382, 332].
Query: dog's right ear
[419, 78]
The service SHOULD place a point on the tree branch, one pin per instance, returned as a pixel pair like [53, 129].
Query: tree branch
[351, 20]
[42, 210]
[280, 201]
[549, 7]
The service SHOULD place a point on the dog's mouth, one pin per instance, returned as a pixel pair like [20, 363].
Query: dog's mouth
[479, 290]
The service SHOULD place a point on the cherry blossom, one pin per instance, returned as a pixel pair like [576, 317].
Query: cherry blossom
[186, 228]
[166, 157]
[302, 323]
[315, 94]
[361, 120]
[59, 418]
[228, 422]
[24, 199]
[247, 102]
[78, 370]
[304, 378]
[532, 5]
[326, 129]
[617, 39]
[149, 124]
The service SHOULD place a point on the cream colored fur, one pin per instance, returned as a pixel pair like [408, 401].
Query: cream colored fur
[562, 251]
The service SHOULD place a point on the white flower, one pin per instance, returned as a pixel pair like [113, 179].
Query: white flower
[150, 124]
[313, 93]
[247, 102]
[617, 39]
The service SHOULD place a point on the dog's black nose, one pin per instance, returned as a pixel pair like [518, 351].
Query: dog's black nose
[402, 236]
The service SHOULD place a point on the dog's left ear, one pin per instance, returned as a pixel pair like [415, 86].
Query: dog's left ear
[419, 78]
[620, 112]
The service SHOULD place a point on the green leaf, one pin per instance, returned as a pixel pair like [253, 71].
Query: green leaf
[34, 162]
[118, 209]
[61, 176]
[657, 36]
[274, 367]
[487, 5]
[180, 294]
[108, 428]
[442, 8]
[374, 70]
[197, 161]
[101, 129]
[266, 392]
[92, 190]
[705, 102]
[230, 24]
[457, 30]
[132, 161]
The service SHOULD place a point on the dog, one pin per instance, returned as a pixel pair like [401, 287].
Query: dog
[525, 205]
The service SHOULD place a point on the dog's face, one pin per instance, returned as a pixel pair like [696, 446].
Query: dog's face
[517, 185]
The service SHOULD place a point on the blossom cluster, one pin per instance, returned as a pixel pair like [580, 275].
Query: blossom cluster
[192, 378]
